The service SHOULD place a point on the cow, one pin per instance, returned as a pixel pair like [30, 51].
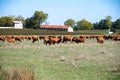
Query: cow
[100, 39]
[2, 38]
[54, 40]
[46, 40]
[116, 38]
[10, 39]
[18, 38]
[106, 37]
[35, 38]
[80, 39]
[67, 38]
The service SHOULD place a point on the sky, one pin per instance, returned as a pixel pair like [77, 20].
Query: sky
[60, 10]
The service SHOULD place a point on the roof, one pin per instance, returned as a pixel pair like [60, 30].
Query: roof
[54, 26]
[17, 22]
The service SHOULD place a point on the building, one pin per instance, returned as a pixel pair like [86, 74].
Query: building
[56, 27]
[17, 24]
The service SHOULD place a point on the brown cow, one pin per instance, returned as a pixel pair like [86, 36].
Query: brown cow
[35, 38]
[100, 39]
[46, 40]
[116, 38]
[67, 38]
[10, 39]
[80, 39]
[106, 37]
[54, 40]
[2, 38]
[18, 38]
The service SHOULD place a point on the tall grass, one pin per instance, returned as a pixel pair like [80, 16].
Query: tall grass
[17, 74]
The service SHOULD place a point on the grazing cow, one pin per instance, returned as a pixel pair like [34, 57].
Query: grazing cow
[67, 38]
[29, 37]
[2, 38]
[10, 39]
[18, 38]
[60, 39]
[41, 37]
[46, 40]
[54, 40]
[106, 37]
[80, 39]
[100, 39]
[35, 38]
[116, 38]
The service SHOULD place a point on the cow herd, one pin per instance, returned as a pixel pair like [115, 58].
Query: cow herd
[51, 40]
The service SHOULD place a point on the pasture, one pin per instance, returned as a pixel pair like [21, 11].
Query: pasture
[64, 61]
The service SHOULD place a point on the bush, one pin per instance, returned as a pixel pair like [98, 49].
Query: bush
[48, 32]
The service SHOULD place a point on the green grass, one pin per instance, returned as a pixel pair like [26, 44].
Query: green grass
[85, 61]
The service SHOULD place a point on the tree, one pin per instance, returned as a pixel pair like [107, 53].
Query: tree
[103, 23]
[2, 21]
[70, 22]
[108, 18]
[6, 21]
[84, 25]
[95, 25]
[116, 24]
[38, 18]
[108, 22]
[19, 18]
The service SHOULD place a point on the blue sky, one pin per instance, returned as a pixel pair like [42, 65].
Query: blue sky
[61, 10]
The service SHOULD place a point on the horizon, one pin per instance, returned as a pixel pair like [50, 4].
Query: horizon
[59, 11]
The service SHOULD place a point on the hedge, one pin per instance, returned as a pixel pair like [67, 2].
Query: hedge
[48, 32]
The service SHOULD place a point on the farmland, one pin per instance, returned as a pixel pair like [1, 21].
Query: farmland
[64, 61]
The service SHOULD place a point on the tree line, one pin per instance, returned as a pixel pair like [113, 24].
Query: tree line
[86, 25]
[40, 17]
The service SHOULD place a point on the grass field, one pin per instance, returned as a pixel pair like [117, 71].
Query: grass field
[68, 61]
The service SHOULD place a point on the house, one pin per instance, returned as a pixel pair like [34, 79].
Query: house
[70, 29]
[17, 24]
[56, 27]
[108, 31]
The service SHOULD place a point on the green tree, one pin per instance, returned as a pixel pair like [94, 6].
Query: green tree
[9, 21]
[2, 21]
[84, 25]
[6, 21]
[70, 22]
[95, 25]
[116, 24]
[19, 18]
[38, 18]
[108, 22]
[104, 23]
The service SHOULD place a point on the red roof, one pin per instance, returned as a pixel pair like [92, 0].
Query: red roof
[54, 26]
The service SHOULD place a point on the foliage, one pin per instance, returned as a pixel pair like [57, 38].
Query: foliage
[38, 18]
[6, 21]
[47, 32]
[84, 25]
[70, 22]
[116, 24]
[103, 23]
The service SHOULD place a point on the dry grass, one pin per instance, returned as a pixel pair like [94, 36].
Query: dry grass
[17, 74]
